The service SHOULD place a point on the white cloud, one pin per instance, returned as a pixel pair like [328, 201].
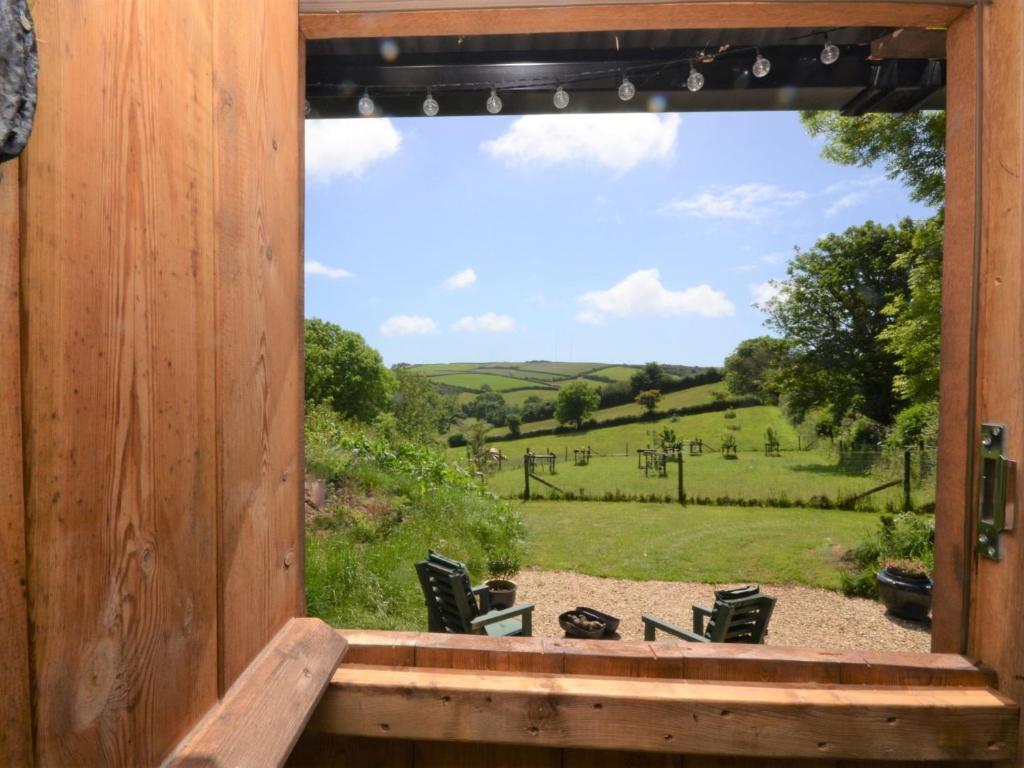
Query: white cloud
[408, 325]
[620, 142]
[775, 257]
[314, 267]
[462, 279]
[746, 202]
[765, 292]
[642, 293]
[489, 322]
[856, 193]
[348, 147]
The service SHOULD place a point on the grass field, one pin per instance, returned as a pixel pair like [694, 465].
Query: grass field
[706, 544]
[681, 399]
[793, 476]
[710, 427]
[475, 381]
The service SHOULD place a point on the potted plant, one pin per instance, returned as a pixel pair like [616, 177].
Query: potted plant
[502, 566]
[906, 589]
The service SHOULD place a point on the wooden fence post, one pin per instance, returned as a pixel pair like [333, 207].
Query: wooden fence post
[906, 480]
[682, 494]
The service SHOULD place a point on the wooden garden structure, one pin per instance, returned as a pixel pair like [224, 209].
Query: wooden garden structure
[151, 543]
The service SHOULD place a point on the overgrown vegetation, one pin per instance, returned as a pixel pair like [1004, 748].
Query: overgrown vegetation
[907, 540]
[389, 501]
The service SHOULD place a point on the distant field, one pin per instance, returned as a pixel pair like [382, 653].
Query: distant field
[682, 399]
[666, 542]
[617, 372]
[561, 369]
[475, 381]
[710, 427]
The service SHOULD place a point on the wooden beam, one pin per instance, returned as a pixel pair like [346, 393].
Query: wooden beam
[910, 44]
[320, 19]
[15, 713]
[713, 661]
[907, 723]
[263, 714]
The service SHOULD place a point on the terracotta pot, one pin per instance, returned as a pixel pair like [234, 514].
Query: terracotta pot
[908, 597]
[503, 593]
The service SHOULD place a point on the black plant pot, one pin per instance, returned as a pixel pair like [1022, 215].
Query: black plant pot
[503, 593]
[908, 597]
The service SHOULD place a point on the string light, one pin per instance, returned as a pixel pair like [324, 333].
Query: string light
[430, 105]
[494, 103]
[830, 53]
[561, 98]
[695, 81]
[761, 66]
[627, 90]
[366, 105]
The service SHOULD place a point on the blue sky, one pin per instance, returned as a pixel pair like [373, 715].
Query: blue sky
[606, 238]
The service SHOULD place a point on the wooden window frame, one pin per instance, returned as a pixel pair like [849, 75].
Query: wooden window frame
[322, 19]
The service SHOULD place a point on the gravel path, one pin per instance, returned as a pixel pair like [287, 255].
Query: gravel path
[803, 616]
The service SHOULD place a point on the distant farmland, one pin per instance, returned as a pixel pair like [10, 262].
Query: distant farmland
[517, 381]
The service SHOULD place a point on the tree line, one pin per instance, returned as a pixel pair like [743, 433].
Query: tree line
[856, 322]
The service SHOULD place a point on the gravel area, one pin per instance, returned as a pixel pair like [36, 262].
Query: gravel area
[803, 616]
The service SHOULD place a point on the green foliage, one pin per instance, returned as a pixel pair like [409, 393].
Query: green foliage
[392, 502]
[504, 562]
[343, 372]
[649, 399]
[753, 368]
[917, 425]
[913, 336]
[831, 316]
[488, 406]
[514, 422]
[421, 412]
[912, 147]
[576, 401]
[651, 376]
[900, 538]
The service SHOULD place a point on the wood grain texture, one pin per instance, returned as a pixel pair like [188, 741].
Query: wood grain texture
[954, 505]
[340, 19]
[996, 632]
[789, 721]
[261, 717]
[15, 708]
[118, 373]
[259, 324]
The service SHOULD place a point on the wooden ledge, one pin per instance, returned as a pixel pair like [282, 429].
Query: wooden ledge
[692, 717]
[325, 19]
[263, 714]
[713, 661]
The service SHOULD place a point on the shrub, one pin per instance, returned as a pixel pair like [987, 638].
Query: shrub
[902, 537]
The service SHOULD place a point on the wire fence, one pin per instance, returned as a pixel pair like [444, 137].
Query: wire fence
[826, 477]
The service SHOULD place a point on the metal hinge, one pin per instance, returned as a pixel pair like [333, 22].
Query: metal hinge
[997, 497]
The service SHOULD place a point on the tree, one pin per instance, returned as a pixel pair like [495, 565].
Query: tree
[649, 399]
[576, 401]
[344, 372]
[651, 376]
[913, 337]
[830, 312]
[421, 411]
[912, 147]
[514, 422]
[753, 368]
[489, 406]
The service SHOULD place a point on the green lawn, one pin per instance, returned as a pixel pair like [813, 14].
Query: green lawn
[617, 372]
[795, 476]
[682, 399]
[707, 544]
[711, 427]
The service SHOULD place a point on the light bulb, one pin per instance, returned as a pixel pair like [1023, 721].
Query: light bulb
[761, 66]
[695, 81]
[627, 90]
[494, 104]
[561, 98]
[430, 105]
[830, 53]
[366, 105]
